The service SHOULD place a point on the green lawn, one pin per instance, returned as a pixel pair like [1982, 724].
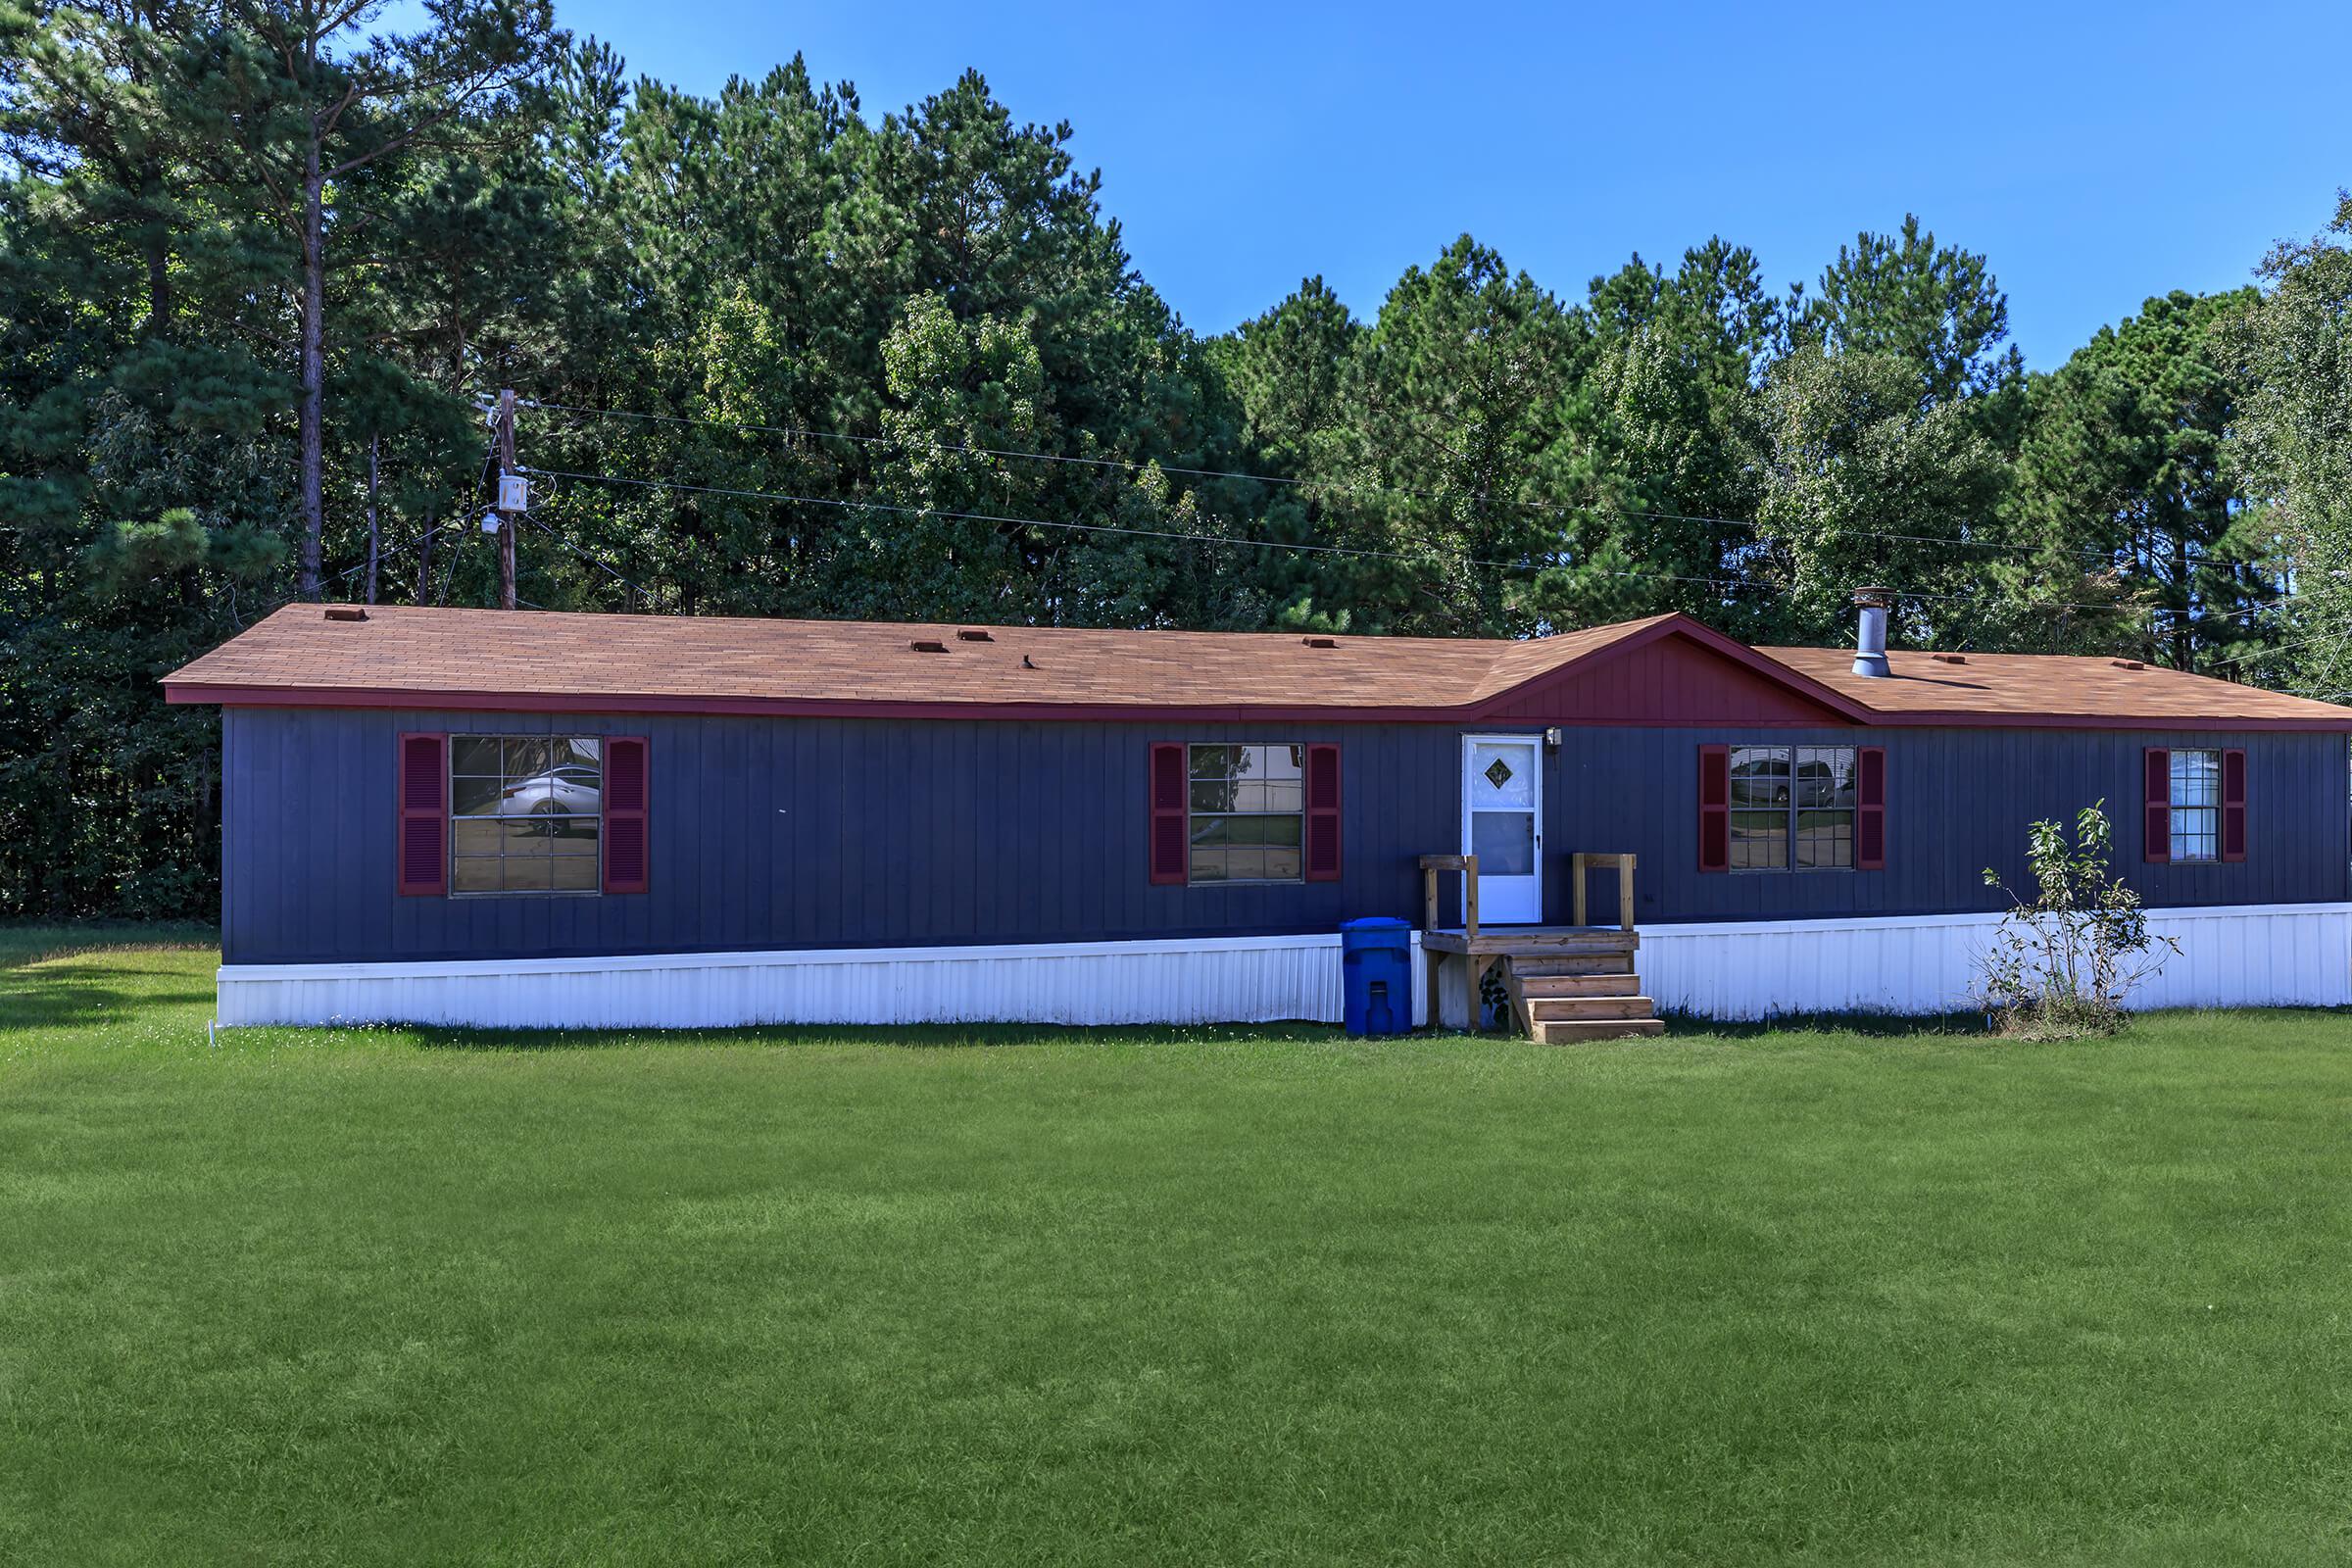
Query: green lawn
[400, 1296]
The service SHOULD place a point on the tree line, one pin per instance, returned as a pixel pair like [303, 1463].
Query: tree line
[263, 270]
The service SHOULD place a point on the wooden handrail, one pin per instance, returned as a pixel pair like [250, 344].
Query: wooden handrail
[1581, 863]
[1431, 865]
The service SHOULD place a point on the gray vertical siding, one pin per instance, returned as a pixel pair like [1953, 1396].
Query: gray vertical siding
[808, 833]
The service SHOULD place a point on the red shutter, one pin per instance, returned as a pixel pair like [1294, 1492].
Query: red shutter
[2233, 806]
[1870, 817]
[628, 788]
[1171, 820]
[423, 847]
[1714, 808]
[2158, 824]
[1322, 813]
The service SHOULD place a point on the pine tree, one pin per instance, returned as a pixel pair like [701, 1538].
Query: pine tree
[1666, 450]
[305, 111]
[1458, 390]
[139, 501]
[1935, 308]
[2291, 351]
[2123, 459]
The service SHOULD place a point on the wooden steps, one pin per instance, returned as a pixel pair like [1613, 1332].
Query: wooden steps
[1558, 1021]
[1588, 1009]
[1563, 983]
[1567, 986]
[1544, 982]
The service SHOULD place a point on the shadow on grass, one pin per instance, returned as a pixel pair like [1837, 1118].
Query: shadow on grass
[915, 1037]
[966, 1036]
[65, 996]
[1874, 1025]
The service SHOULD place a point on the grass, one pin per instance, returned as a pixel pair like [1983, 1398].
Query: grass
[401, 1296]
[26, 944]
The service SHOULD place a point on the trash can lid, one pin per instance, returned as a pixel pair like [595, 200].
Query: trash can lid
[1376, 922]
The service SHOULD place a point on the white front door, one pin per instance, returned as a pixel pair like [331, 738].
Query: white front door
[1502, 824]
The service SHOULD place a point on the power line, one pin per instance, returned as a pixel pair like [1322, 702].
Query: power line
[1720, 583]
[893, 441]
[1556, 508]
[2334, 658]
[1092, 527]
[402, 548]
[2255, 654]
[454, 520]
[601, 565]
[1130, 464]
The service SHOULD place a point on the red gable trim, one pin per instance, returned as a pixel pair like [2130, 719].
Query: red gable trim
[1667, 675]
[1739, 652]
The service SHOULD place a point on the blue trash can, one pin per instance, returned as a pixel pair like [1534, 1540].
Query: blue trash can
[1376, 971]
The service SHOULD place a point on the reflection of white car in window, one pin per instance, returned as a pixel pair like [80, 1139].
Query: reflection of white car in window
[557, 792]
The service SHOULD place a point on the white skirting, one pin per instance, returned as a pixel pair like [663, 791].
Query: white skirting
[1221, 980]
[2250, 956]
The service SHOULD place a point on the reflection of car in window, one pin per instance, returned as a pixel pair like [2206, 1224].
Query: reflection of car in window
[1766, 778]
[557, 792]
[1820, 780]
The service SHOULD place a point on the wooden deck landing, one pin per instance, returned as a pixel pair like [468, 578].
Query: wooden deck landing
[1532, 940]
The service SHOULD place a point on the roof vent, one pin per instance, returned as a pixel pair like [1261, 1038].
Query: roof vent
[2127, 663]
[1320, 642]
[346, 613]
[973, 634]
[925, 647]
[1870, 642]
[1949, 659]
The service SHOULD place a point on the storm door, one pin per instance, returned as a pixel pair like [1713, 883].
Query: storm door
[1502, 824]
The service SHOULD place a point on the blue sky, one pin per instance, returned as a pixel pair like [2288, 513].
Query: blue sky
[2096, 154]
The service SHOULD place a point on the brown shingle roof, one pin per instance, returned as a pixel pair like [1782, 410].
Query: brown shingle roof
[430, 651]
[426, 658]
[2053, 688]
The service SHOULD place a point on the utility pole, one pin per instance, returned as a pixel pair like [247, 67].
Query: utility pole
[511, 498]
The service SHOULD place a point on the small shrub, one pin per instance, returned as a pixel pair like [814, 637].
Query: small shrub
[2061, 962]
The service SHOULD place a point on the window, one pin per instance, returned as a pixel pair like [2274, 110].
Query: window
[1792, 807]
[2196, 796]
[525, 814]
[1247, 806]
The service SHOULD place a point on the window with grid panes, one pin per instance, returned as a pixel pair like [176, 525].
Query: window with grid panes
[1247, 809]
[1792, 807]
[2196, 794]
[525, 814]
